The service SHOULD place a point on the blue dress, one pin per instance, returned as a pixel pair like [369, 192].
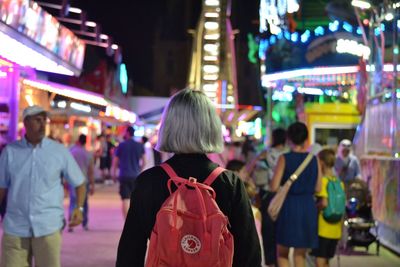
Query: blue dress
[296, 225]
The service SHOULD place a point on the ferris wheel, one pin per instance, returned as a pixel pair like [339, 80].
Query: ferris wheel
[213, 65]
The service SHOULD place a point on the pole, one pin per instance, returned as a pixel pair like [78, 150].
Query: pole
[395, 52]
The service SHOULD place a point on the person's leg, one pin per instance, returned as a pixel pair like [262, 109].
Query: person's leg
[283, 256]
[126, 187]
[72, 203]
[15, 251]
[124, 192]
[86, 209]
[299, 256]
[125, 207]
[321, 262]
[268, 232]
[47, 250]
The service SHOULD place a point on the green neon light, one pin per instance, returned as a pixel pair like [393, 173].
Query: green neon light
[253, 48]
[123, 78]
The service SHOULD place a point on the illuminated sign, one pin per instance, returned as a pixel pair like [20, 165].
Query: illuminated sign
[123, 78]
[29, 19]
[352, 47]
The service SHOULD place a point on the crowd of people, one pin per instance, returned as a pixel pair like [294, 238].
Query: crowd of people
[36, 167]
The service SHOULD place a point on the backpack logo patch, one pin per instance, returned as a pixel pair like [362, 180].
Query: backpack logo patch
[190, 244]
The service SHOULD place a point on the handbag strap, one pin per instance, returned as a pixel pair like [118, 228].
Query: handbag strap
[301, 168]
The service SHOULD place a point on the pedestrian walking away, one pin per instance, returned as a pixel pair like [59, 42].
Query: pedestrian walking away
[296, 225]
[130, 159]
[190, 128]
[85, 161]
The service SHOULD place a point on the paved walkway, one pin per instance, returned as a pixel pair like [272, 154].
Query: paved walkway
[97, 247]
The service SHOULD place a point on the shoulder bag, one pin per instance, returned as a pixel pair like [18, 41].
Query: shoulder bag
[280, 196]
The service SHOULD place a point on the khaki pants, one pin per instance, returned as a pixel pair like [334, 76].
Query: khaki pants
[19, 251]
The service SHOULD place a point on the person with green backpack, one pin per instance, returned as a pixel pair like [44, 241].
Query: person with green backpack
[331, 204]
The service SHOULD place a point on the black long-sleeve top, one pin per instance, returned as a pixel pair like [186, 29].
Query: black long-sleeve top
[151, 191]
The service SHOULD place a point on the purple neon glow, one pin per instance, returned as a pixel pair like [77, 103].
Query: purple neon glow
[25, 56]
[231, 115]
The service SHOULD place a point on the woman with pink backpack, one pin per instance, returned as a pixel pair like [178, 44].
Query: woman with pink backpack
[216, 226]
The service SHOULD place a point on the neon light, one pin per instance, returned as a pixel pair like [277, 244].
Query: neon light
[319, 31]
[304, 37]
[67, 91]
[212, 3]
[310, 91]
[267, 78]
[214, 36]
[27, 57]
[75, 10]
[211, 15]
[258, 128]
[272, 40]
[282, 96]
[287, 35]
[389, 16]
[352, 47]
[91, 24]
[211, 77]
[114, 47]
[294, 37]
[210, 69]
[211, 47]
[210, 58]
[288, 88]
[334, 26]
[359, 31]
[123, 78]
[62, 104]
[262, 48]
[361, 4]
[292, 6]
[211, 25]
[81, 107]
[29, 100]
[347, 27]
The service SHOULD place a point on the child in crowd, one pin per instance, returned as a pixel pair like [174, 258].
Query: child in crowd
[328, 233]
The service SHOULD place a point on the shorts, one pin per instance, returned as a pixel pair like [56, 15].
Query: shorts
[126, 187]
[105, 163]
[326, 248]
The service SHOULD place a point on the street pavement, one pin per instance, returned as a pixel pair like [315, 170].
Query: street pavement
[98, 246]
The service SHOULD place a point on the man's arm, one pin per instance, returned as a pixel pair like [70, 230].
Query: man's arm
[90, 174]
[77, 218]
[144, 162]
[2, 194]
[114, 168]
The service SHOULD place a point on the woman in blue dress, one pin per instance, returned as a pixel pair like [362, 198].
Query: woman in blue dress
[296, 225]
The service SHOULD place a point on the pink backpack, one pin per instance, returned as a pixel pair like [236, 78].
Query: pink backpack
[190, 229]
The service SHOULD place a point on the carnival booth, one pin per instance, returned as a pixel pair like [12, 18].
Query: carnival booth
[31, 39]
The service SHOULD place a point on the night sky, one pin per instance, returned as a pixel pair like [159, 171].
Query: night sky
[132, 24]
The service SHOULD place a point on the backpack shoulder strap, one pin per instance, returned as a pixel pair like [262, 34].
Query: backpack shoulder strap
[213, 175]
[168, 169]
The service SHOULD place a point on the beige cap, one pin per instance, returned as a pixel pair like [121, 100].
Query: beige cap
[33, 110]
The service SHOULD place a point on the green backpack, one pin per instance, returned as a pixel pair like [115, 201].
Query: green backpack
[335, 210]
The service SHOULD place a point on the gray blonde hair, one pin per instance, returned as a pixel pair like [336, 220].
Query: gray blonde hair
[190, 124]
